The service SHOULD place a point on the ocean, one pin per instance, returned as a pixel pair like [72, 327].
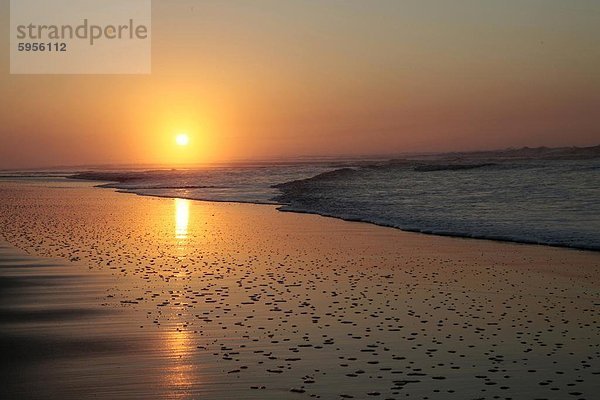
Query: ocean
[520, 198]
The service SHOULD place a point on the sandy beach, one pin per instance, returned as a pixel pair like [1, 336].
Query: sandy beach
[112, 295]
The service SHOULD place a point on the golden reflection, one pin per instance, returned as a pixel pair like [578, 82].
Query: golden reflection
[179, 372]
[182, 218]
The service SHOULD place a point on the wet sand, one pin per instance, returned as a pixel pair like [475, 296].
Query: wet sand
[120, 296]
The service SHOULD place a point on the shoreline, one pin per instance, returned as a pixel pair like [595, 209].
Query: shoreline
[285, 207]
[281, 208]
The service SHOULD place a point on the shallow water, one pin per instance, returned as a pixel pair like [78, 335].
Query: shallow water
[542, 201]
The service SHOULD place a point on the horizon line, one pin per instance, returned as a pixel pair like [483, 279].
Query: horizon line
[290, 159]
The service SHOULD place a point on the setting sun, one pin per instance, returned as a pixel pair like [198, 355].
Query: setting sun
[182, 139]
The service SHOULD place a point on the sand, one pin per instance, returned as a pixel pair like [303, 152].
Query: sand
[120, 296]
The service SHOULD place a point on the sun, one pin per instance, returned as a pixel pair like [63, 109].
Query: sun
[182, 139]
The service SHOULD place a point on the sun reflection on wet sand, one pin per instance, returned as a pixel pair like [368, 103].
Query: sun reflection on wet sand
[182, 218]
[180, 375]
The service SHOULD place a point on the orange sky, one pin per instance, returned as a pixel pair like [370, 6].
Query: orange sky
[276, 79]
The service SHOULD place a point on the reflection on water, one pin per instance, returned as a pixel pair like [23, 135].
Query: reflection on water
[179, 371]
[182, 217]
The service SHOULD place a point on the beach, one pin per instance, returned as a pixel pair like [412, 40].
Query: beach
[115, 295]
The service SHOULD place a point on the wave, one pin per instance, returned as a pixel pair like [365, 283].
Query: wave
[334, 174]
[551, 202]
[450, 167]
[159, 187]
[457, 234]
[121, 176]
[525, 153]
[244, 184]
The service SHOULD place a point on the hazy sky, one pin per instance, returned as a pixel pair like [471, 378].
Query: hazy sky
[262, 79]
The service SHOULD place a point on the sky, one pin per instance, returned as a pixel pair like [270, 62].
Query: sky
[253, 80]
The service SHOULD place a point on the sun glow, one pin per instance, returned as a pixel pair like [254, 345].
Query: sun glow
[182, 217]
[182, 139]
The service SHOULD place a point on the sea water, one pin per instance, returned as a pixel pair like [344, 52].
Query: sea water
[552, 202]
